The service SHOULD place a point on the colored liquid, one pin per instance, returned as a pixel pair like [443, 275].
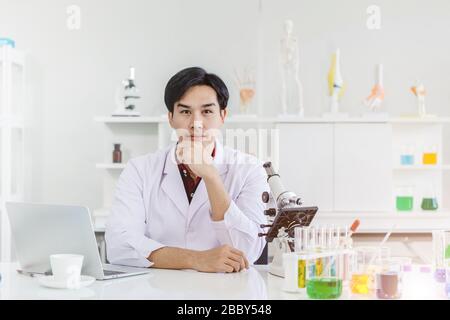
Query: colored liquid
[406, 159]
[388, 285]
[359, 283]
[301, 273]
[333, 266]
[447, 252]
[439, 275]
[404, 203]
[429, 204]
[324, 288]
[407, 268]
[311, 270]
[319, 267]
[430, 158]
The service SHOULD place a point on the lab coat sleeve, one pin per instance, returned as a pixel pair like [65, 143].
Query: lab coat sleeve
[242, 220]
[125, 237]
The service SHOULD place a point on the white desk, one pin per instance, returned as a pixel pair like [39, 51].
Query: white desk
[255, 283]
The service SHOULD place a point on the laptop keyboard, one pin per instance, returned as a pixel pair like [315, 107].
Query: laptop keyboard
[111, 272]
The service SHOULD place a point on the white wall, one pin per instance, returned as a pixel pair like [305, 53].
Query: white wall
[76, 72]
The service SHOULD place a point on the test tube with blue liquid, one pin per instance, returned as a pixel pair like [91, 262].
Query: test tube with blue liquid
[334, 240]
[311, 248]
[321, 247]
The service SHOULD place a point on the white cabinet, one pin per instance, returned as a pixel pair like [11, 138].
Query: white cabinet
[348, 167]
[338, 166]
[306, 162]
[362, 167]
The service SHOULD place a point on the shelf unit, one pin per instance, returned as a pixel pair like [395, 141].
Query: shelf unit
[12, 159]
[397, 123]
[417, 137]
[112, 166]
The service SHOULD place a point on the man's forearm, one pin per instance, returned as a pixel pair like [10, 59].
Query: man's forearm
[173, 258]
[218, 196]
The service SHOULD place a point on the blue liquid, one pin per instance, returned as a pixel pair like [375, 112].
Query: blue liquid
[333, 266]
[406, 159]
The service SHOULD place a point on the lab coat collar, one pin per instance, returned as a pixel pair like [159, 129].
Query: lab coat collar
[173, 185]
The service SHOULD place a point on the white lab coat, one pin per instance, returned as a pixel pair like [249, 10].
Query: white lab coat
[151, 210]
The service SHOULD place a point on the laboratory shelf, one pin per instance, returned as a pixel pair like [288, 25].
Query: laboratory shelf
[281, 119]
[113, 166]
[112, 119]
[421, 167]
[417, 221]
[391, 214]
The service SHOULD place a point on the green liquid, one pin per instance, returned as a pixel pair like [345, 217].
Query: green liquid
[324, 288]
[447, 252]
[429, 204]
[404, 203]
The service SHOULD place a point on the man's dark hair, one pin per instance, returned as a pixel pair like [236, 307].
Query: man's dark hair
[190, 77]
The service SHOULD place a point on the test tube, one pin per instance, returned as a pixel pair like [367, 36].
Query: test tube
[333, 241]
[318, 248]
[301, 236]
[323, 238]
[345, 244]
[298, 239]
[343, 237]
[337, 237]
[311, 248]
[438, 242]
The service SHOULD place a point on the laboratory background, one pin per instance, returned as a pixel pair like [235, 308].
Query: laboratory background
[349, 100]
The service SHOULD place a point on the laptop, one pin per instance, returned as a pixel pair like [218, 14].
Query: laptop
[40, 230]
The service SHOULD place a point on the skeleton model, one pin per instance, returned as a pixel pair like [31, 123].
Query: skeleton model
[335, 82]
[291, 87]
[376, 97]
[420, 92]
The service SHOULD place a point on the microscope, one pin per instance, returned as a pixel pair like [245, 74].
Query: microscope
[126, 97]
[283, 219]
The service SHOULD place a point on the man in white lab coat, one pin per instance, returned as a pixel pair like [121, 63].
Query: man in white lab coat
[196, 204]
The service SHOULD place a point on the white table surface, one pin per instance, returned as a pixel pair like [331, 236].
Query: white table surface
[254, 283]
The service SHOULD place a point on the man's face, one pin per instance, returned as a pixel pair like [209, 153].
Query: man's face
[197, 115]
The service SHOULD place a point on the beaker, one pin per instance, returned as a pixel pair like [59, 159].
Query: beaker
[429, 200]
[447, 283]
[360, 277]
[447, 244]
[365, 264]
[323, 285]
[430, 155]
[404, 200]
[389, 279]
[438, 242]
[407, 155]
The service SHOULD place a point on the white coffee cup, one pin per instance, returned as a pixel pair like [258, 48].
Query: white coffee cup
[67, 268]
